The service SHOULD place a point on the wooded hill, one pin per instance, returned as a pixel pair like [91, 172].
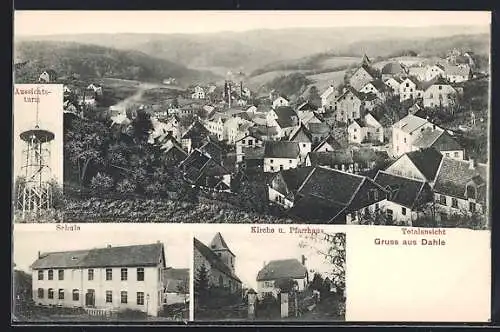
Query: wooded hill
[91, 61]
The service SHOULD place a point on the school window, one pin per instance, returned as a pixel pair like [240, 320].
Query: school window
[124, 273]
[51, 293]
[442, 199]
[60, 274]
[271, 161]
[272, 168]
[109, 274]
[250, 142]
[407, 85]
[290, 161]
[109, 296]
[140, 274]
[40, 293]
[40, 275]
[403, 211]
[454, 202]
[455, 154]
[123, 297]
[76, 295]
[140, 298]
[404, 140]
[303, 145]
[91, 274]
[472, 207]
[447, 154]
[51, 274]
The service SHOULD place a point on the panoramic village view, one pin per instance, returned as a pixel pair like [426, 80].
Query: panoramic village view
[194, 128]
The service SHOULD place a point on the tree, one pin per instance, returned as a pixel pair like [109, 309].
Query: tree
[183, 289]
[313, 96]
[84, 143]
[332, 248]
[317, 282]
[142, 125]
[285, 285]
[201, 285]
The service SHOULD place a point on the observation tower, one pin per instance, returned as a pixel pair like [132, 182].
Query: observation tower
[35, 193]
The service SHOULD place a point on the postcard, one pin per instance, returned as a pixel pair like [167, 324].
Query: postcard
[312, 166]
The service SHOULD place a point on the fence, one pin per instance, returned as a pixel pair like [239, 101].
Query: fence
[99, 312]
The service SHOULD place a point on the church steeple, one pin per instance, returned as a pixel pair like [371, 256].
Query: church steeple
[366, 61]
[220, 248]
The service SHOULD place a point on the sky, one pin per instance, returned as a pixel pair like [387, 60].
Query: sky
[45, 238]
[75, 22]
[50, 117]
[253, 250]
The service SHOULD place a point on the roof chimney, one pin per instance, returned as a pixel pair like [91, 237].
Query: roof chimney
[39, 254]
[472, 164]
[303, 259]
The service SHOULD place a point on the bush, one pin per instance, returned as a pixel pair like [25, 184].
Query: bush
[126, 186]
[101, 183]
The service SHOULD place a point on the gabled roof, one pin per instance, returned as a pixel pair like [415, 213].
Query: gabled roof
[328, 92]
[214, 260]
[463, 70]
[333, 185]
[218, 243]
[124, 256]
[438, 139]
[212, 149]
[403, 191]
[331, 158]
[319, 128]
[301, 134]
[393, 68]
[455, 174]
[311, 209]
[307, 106]
[285, 268]
[255, 153]
[427, 161]
[292, 178]
[410, 123]
[285, 116]
[329, 140]
[281, 149]
[349, 90]
[196, 130]
[379, 85]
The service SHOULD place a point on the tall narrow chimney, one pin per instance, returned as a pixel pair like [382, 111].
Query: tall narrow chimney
[303, 260]
[39, 254]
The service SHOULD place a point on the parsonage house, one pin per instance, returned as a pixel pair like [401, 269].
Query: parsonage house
[219, 261]
[281, 269]
[111, 278]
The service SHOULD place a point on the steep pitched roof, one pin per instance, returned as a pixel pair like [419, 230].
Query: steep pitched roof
[455, 174]
[307, 106]
[218, 243]
[319, 128]
[393, 68]
[196, 130]
[253, 153]
[403, 191]
[348, 90]
[292, 178]
[410, 123]
[214, 260]
[438, 139]
[333, 185]
[328, 92]
[285, 268]
[329, 140]
[124, 256]
[311, 209]
[301, 134]
[427, 161]
[331, 158]
[285, 116]
[281, 149]
[379, 85]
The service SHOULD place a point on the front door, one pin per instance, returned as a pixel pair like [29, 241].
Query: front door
[90, 298]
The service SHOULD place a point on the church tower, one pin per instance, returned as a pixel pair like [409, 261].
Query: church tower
[220, 248]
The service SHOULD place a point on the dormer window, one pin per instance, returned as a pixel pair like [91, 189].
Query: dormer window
[470, 191]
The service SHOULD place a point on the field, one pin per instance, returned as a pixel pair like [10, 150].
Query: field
[323, 81]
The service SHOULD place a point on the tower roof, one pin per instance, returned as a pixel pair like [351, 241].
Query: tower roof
[40, 134]
[218, 243]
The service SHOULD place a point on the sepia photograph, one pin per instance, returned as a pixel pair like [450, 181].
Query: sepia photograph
[104, 275]
[268, 117]
[38, 152]
[253, 277]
